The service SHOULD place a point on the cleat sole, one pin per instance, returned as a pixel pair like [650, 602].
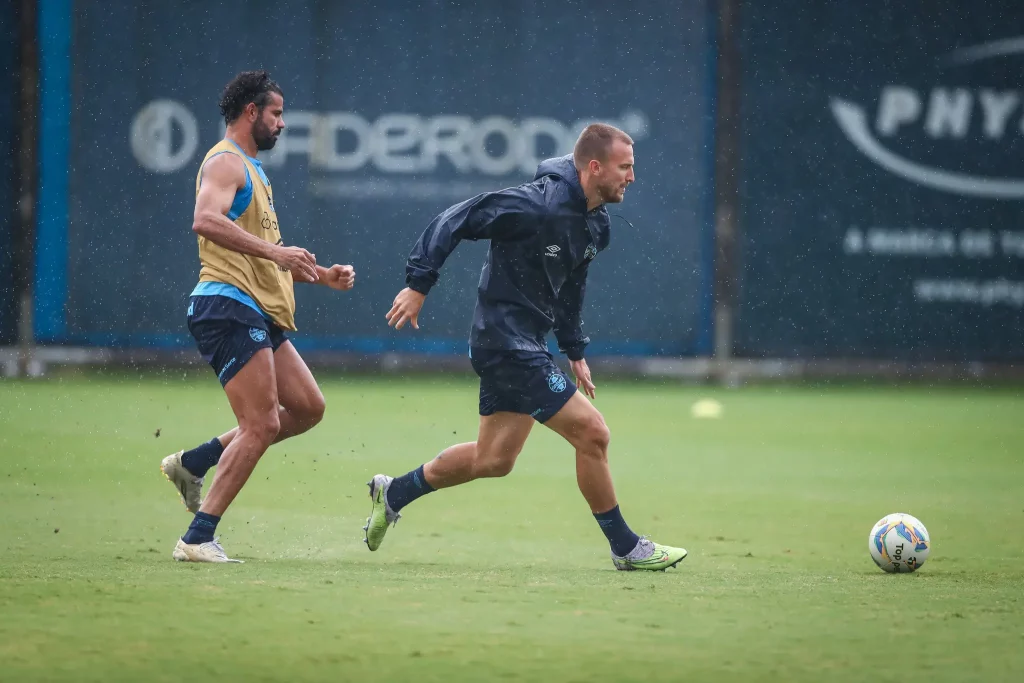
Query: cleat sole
[674, 563]
[181, 496]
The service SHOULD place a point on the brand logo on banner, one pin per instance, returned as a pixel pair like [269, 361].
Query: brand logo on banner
[393, 155]
[955, 113]
[164, 136]
[409, 143]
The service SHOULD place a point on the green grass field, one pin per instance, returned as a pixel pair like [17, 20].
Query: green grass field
[510, 579]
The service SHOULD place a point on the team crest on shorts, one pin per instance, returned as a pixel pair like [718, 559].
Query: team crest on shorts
[257, 335]
[590, 253]
[556, 383]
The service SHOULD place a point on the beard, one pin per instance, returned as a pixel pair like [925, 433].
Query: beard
[613, 194]
[264, 138]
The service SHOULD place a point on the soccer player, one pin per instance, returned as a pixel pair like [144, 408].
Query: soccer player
[240, 311]
[543, 236]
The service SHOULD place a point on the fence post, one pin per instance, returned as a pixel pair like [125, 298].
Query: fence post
[26, 164]
[727, 139]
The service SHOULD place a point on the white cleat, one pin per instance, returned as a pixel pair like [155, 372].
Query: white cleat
[648, 555]
[190, 487]
[202, 552]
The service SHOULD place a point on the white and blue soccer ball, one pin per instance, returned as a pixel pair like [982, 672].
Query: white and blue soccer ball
[899, 543]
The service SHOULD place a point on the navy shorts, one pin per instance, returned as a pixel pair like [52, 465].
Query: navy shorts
[526, 382]
[229, 333]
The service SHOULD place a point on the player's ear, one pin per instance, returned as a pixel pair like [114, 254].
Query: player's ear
[595, 166]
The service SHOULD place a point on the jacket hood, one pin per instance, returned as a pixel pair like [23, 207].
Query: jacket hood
[564, 168]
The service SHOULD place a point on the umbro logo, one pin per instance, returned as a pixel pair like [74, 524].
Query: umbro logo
[553, 250]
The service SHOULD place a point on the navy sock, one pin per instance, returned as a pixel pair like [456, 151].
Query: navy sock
[200, 459]
[407, 488]
[620, 536]
[201, 529]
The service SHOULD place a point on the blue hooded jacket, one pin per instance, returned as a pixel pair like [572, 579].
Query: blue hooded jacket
[542, 242]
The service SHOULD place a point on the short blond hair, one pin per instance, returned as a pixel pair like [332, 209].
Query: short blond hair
[595, 142]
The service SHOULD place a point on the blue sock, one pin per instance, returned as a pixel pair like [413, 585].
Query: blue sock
[201, 529]
[620, 536]
[200, 459]
[407, 488]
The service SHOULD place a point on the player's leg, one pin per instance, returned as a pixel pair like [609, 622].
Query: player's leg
[301, 402]
[252, 393]
[302, 407]
[238, 344]
[253, 397]
[580, 423]
[505, 424]
[583, 426]
[227, 334]
[499, 442]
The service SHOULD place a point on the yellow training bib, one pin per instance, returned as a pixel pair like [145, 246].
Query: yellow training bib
[253, 211]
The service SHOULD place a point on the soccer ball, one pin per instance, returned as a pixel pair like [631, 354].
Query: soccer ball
[899, 543]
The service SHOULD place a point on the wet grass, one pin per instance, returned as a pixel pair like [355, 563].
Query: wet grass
[510, 579]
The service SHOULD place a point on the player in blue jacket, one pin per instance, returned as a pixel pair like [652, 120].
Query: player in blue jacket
[543, 235]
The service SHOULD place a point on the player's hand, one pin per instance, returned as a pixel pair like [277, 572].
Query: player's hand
[342, 278]
[583, 380]
[406, 309]
[300, 262]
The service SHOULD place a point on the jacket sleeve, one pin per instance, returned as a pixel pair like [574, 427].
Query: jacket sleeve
[568, 325]
[498, 216]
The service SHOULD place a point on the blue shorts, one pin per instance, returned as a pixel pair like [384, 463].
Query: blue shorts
[228, 333]
[526, 382]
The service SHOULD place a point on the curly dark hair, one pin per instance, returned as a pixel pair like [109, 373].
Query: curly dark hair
[246, 87]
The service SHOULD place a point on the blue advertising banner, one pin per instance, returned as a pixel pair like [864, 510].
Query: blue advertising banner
[393, 113]
[883, 181]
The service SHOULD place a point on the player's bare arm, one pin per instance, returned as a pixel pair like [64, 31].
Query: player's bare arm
[222, 177]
